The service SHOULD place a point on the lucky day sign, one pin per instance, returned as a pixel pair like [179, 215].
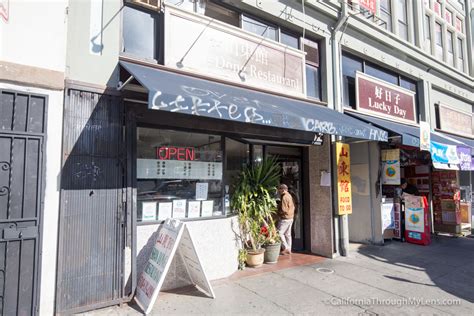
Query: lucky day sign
[376, 97]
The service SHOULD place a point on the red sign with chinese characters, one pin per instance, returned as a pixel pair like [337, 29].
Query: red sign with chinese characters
[384, 99]
[344, 191]
[370, 5]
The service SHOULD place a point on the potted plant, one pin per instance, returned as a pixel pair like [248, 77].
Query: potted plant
[272, 243]
[254, 200]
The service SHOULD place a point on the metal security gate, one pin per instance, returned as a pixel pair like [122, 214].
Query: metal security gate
[22, 127]
[91, 230]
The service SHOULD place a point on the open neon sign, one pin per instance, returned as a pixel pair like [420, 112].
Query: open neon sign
[176, 153]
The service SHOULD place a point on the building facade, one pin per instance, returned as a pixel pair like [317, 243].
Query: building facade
[154, 106]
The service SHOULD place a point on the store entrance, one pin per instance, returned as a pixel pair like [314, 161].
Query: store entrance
[291, 167]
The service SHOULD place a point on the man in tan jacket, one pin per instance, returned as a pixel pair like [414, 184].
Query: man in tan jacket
[286, 212]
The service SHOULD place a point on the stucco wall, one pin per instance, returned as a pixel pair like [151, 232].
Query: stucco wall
[99, 65]
[216, 244]
[35, 34]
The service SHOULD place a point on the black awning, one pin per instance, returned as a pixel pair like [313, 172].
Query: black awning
[410, 134]
[173, 92]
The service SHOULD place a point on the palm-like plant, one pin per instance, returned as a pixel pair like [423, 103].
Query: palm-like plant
[253, 199]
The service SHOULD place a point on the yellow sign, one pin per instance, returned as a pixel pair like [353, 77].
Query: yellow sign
[344, 191]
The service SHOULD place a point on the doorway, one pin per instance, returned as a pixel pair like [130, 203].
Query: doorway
[291, 167]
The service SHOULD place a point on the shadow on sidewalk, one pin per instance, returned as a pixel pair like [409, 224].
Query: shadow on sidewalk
[448, 262]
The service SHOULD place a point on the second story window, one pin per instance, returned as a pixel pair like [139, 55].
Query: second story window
[313, 86]
[402, 18]
[460, 53]
[427, 31]
[386, 14]
[259, 28]
[439, 41]
[449, 46]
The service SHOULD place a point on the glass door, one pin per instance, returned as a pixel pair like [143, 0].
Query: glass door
[291, 168]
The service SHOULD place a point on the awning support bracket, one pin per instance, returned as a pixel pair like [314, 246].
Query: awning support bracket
[122, 85]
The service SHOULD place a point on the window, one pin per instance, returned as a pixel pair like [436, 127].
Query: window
[427, 31]
[449, 45]
[402, 19]
[460, 52]
[259, 28]
[152, 4]
[139, 32]
[437, 7]
[386, 14]
[313, 86]
[438, 41]
[459, 27]
[380, 73]
[350, 65]
[448, 16]
[289, 40]
[179, 175]
[222, 14]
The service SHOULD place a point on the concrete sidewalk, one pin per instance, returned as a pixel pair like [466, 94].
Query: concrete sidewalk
[394, 279]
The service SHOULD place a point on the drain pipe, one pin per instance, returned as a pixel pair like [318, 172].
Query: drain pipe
[337, 99]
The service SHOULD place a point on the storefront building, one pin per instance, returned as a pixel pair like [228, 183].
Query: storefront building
[417, 90]
[194, 92]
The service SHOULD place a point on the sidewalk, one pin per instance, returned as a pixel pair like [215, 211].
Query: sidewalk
[398, 278]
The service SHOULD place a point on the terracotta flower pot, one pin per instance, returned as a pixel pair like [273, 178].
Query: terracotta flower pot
[255, 258]
[272, 252]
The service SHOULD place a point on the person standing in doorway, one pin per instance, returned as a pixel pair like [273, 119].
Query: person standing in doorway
[286, 212]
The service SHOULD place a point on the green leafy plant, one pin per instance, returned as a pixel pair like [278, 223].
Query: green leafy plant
[242, 257]
[254, 201]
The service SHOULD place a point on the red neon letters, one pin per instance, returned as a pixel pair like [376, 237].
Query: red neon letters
[175, 153]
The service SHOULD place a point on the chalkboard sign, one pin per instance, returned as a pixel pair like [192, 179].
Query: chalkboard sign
[173, 237]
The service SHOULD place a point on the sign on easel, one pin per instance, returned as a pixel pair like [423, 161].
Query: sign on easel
[174, 237]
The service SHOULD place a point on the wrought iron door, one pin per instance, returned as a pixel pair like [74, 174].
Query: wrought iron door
[22, 127]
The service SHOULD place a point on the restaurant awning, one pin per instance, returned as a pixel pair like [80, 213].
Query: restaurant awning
[410, 134]
[178, 93]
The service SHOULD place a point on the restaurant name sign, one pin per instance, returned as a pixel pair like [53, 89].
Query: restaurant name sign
[380, 98]
[455, 121]
[202, 45]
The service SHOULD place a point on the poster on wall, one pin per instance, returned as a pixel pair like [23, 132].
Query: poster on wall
[148, 211]
[179, 208]
[414, 219]
[391, 166]
[464, 156]
[425, 136]
[173, 238]
[165, 210]
[388, 218]
[344, 189]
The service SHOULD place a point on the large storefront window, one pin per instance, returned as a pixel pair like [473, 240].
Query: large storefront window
[179, 175]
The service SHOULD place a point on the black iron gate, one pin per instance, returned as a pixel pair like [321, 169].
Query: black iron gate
[91, 228]
[22, 128]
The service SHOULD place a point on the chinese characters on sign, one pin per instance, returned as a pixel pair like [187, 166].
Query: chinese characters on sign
[214, 49]
[381, 98]
[454, 121]
[344, 196]
[370, 5]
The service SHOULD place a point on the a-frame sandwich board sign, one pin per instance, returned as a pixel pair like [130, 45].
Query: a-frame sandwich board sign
[173, 237]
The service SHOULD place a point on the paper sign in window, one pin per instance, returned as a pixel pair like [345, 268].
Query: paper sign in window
[165, 210]
[207, 208]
